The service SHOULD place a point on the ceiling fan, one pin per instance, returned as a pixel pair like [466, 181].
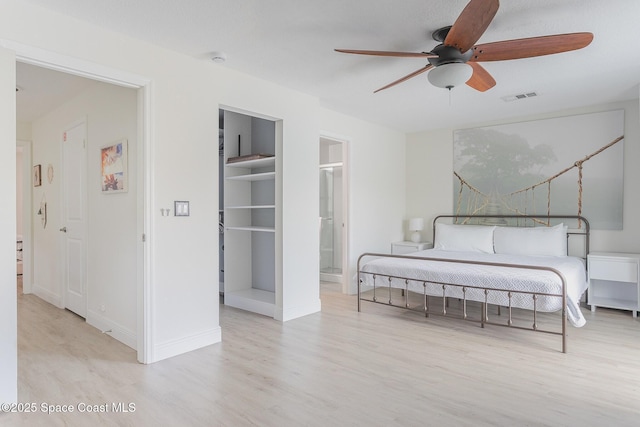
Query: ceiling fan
[456, 59]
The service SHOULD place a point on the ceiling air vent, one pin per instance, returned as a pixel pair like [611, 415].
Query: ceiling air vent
[519, 96]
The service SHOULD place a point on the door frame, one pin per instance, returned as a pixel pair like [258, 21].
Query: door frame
[66, 64]
[345, 144]
[27, 227]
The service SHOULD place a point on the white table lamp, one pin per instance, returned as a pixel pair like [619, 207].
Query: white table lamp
[416, 225]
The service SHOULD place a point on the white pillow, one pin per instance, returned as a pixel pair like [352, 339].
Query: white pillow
[534, 241]
[466, 238]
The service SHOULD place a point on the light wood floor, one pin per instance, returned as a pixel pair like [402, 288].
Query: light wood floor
[381, 367]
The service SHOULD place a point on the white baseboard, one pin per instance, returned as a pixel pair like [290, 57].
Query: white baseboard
[185, 344]
[254, 300]
[113, 329]
[47, 295]
[295, 312]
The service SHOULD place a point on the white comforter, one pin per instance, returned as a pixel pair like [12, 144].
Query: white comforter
[420, 271]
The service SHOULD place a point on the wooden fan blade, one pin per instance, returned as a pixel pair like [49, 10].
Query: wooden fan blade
[407, 77]
[389, 53]
[471, 24]
[480, 79]
[530, 47]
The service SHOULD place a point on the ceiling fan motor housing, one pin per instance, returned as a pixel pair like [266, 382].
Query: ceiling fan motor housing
[449, 55]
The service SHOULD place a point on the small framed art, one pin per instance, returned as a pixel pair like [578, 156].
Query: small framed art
[114, 167]
[37, 175]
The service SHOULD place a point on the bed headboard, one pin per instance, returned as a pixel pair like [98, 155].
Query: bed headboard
[577, 226]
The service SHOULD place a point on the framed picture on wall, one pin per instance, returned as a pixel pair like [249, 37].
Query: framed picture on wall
[114, 167]
[37, 176]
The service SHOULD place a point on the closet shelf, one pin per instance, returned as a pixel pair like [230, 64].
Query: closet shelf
[256, 163]
[252, 228]
[252, 299]
[250, 202]
[253, 177]
[253, 207]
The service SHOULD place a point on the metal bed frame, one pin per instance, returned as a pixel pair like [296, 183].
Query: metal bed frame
[583, 229]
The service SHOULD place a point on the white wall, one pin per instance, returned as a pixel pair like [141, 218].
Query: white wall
[23, 131]
[8, 308]
[111, 114]
[183, 129]
[113, 241]
[430, 177]
[19, 186]
[376, 181]
[184, 96]
[23, 209]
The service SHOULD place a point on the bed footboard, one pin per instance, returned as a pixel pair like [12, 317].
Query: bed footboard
[382, 284]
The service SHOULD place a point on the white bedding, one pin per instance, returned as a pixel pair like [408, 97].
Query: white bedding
[572, 268]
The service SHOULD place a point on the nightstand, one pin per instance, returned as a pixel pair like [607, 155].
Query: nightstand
[613, 281]
[401, 248]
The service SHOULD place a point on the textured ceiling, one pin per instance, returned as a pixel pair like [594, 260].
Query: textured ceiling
[291, 42]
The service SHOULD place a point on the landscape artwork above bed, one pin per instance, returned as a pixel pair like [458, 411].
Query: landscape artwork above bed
[564, 165]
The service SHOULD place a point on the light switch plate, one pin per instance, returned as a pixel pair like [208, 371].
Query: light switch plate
[181, 208]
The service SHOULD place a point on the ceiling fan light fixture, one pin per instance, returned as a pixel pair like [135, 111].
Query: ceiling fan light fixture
[448, 76]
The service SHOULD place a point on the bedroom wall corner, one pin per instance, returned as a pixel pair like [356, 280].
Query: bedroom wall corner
[429, 189]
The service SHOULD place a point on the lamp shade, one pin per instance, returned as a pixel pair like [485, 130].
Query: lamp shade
[450, 75]
[416, 224]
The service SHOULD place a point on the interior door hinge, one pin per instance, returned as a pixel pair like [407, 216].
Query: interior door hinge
[144, 237]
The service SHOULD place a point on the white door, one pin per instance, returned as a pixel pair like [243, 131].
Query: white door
[74, 218]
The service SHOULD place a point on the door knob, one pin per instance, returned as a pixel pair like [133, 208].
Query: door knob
[63, 229]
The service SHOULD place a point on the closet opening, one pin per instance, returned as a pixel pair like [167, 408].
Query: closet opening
[248, 207]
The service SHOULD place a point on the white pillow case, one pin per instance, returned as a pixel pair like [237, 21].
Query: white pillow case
[534, 241]
[466, 238]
